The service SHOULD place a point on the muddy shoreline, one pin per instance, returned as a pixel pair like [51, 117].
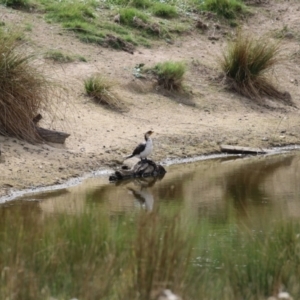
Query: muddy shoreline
[10, 194]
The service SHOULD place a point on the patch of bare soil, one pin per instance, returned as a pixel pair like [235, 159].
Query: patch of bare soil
[184, 126]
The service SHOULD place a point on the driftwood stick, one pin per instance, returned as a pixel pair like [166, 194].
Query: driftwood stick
[48, 135]
[52, 136]
[242, 150]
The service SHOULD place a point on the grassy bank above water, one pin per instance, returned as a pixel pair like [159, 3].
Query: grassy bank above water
[98, 256]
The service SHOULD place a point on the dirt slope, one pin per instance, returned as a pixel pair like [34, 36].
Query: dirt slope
[100, 137]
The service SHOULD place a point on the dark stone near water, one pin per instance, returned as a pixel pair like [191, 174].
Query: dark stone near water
[144, 168]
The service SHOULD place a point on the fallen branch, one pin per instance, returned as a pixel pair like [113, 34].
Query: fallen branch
[52, 136]
[242, 150]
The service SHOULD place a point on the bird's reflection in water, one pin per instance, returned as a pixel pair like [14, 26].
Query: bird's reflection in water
[142, 191]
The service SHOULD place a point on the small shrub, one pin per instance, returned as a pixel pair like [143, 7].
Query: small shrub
[247, 62]
[24, 91]
[164, 10]
[100, 89]
[229, 9]
[170, 74]
[127, 15]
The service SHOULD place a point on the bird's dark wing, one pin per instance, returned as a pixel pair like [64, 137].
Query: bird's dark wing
[140, 148]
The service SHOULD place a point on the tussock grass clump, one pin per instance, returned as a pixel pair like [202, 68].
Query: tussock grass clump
[127, 16]
[164, 10]
[247, 63]
[24, 91]
[140, 3]
[100, 89]
[229, 9]
[170, 74]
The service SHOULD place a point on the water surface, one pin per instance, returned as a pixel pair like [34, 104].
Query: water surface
[249, 191]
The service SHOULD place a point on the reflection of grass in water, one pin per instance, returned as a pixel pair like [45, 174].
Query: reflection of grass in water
[94, 256]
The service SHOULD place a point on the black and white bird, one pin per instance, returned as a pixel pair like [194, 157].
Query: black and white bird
[143, 150]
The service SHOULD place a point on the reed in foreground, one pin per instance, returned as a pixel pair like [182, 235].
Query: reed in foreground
[91, 256]
[94, 255]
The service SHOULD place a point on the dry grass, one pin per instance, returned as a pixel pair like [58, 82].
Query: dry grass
[24, 91]
[100, 89]
[248, 62]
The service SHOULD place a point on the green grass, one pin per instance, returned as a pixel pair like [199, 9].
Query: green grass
[28, 27]
[164, 10]
[100, 88]
[97, 255]
[59, 56]
[127, 16]
[247, 63]
[91, 256]
[229, 9]
[92, 23]
[143, 4]
[170, 74]
[249, 265]
[71, 11]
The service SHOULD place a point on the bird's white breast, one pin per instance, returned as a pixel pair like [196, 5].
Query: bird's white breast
[148, 149]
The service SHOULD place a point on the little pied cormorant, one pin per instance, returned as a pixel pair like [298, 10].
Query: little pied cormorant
[143, 150]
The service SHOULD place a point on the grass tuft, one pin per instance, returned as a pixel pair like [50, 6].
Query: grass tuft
[100, 89]
[247, 63]
[170, 74]
[69, 11]
[164, 10]
[229, 9]
[140, 3]
[59, 56]
[127, 16]
[24, 91]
